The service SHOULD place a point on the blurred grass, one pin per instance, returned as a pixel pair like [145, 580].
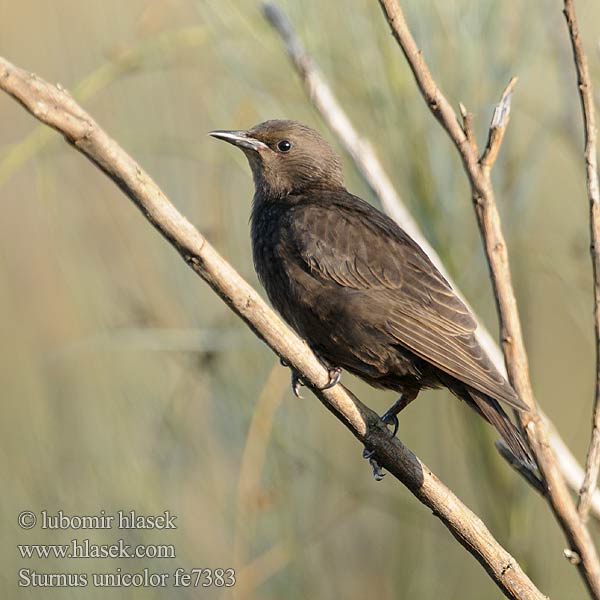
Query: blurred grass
[123, 62]
[128, 385]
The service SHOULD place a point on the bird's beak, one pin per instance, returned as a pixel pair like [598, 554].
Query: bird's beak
[239, 138]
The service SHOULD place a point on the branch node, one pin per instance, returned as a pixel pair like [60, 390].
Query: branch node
[467, 125]
[572, 556]
[497, 128]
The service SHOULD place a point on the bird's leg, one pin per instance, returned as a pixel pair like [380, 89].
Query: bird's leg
[390, 417]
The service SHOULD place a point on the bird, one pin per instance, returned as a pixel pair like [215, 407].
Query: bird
[361, 292]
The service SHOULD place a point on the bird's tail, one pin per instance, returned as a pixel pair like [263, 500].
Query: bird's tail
[492, 412]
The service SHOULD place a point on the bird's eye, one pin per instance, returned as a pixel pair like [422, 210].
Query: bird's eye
[284, 146]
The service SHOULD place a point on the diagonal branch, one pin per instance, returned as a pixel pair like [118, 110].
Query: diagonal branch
[513, 345]
[368, 165]
[56, 108]
[586, 95]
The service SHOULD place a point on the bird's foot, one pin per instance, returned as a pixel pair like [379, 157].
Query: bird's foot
[335, 374]
[378, 473]
[389, 418]
[297, 383]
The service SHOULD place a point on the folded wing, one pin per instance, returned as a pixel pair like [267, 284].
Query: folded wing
[354, 246]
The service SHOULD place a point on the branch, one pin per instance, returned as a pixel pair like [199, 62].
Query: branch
[374, 175]
[586, 95]
[513, 346]
[497, 128]
[55, 107]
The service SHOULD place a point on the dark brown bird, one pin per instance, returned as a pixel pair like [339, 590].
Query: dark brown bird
[352, 283]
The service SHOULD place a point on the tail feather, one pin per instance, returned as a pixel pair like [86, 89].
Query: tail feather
[493, 413]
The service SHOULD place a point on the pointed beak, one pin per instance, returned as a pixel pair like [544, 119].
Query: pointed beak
[239, 138]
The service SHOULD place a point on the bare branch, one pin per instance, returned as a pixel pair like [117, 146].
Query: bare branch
[437, 102]
[570, 468]
[510, 327]
[374, 175]
[586, 95]
[497, 127]
[53, 106]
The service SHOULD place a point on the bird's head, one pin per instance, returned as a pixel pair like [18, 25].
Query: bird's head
[286, 157]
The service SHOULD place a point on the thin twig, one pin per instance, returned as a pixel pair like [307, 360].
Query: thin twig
[374, 175]
[55, 107]
[497, 127]
[586, 95]
[511, 335]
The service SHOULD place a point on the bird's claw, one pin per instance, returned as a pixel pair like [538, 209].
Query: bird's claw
[335, 374]
[378, 473]
[297, 383]
[390, 418]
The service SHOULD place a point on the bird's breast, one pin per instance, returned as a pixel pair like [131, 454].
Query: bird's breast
[291, 289]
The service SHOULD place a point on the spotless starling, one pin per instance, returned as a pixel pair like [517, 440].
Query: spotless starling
[355, 286]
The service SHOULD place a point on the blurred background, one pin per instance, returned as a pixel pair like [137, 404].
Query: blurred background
[128, 385]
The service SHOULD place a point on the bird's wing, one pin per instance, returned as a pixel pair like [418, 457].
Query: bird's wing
[355, 246]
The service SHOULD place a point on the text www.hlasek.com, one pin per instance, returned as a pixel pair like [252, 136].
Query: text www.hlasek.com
[86, 549]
